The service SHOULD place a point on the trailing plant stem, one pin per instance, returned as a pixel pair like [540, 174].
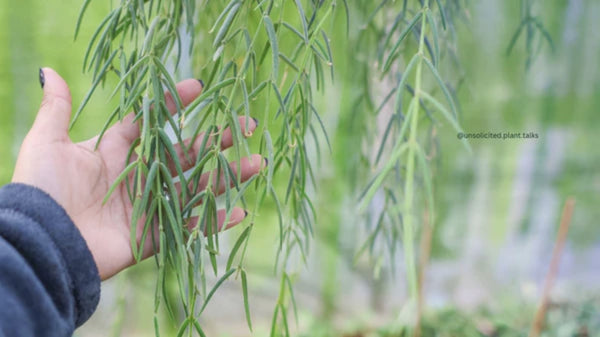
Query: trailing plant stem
[408, 225]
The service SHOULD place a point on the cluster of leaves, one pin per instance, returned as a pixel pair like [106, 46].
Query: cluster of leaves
[416, 58]
[266, 59]
[413, 45]
[535, 34]
[266, 56]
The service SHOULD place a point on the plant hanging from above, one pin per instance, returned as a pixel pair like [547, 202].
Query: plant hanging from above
[264, 61]
[413, 46]
[268, 55]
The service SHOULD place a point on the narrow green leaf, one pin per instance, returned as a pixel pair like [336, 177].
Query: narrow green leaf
[209, 92]
[347, 12]
[279, 216]
[449, 117]
[442, 12]
[93, 40]
[434, 32]
[514, 38]
[241, 191]
[119, 179]
[241, 239]
[226, 24]
[274, 46]
[274, 322]
[282, 107]
[140, 205]
[391, 123]
[303, 19]
[293, 30]
[106, 125]
[80, 16]
[169, 83]
[545, 34]
[246, 103]
[271, 157]
[175, 160]
[407, 29]
[442, 86]
[323, 130]
[382, 175]
[214, 289]
[223, 13]
[329, 53]
[289, 62]
[194, 202]
[246, 304]
[377, 9]
[292, 175]
[370, 241]
[292, 297]
[175, 229]
[399, 19]
[148, 223]
[146, 45]
[403, 80]
[87, 97]
[284, 320]
[257, 90]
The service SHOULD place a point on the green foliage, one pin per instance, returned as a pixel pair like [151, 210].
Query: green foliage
[268, 59]
[411, 53]
[138, 42]
[535, 34]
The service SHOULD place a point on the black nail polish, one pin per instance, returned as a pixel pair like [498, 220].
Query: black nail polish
[255, 121]
[201, 83]
[245, 213]
[42, 78]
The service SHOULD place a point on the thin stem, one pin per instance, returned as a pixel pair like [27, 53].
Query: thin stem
[408, 220]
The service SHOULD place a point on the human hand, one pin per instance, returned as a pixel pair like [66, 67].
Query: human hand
[78, 177]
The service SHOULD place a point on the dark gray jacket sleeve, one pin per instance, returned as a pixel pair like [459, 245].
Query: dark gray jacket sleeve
[49, 283]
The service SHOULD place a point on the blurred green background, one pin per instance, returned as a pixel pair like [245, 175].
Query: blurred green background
[498, 209]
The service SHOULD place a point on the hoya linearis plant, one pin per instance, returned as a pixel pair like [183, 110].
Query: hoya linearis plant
[414, 91]
[412, 87]
[266, 59]
[259, 58]
[417, 59]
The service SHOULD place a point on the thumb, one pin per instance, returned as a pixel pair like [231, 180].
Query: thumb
[52, 121]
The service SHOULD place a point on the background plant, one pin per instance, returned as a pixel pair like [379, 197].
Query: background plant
[415, 45]
[535, 33]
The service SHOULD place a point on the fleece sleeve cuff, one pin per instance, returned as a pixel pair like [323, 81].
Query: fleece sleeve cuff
[56, 223]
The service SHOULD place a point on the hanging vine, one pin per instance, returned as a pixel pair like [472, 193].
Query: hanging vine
[266, 59]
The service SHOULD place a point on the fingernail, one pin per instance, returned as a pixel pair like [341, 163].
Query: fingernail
[245, 213]
[42, 78]
[201, 82]
[255, 121]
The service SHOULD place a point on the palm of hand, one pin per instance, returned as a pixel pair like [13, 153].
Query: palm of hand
[78, 176]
